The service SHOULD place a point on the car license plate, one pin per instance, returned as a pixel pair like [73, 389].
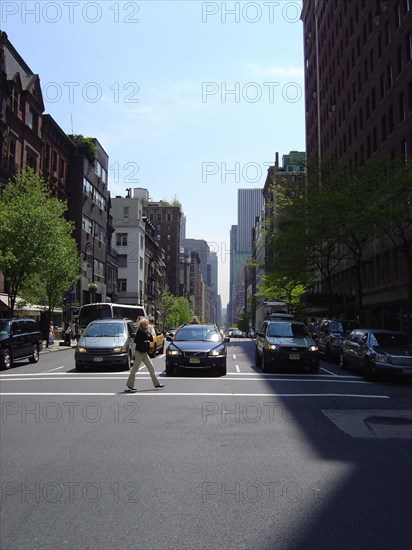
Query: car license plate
[194, 360]
[98, 359]
[294, 356]
[408, 372]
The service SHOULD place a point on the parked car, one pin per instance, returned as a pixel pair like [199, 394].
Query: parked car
[197, 347]
[170, 333]
[106, 342]
[19, 339]
[331, 334]
[377, 352]
[158, 344]
[286, 345]
[236, 333]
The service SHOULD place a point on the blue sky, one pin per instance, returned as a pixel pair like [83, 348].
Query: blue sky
[190, 99]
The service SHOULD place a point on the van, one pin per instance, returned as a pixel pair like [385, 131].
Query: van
[19, 339]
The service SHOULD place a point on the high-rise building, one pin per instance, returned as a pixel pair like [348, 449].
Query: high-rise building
[249, 205]
[358, 80]
[166, 220]
[358, 85]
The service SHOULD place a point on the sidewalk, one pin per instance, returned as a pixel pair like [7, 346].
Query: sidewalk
[56, 346]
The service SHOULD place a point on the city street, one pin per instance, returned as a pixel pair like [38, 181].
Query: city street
[245, 461]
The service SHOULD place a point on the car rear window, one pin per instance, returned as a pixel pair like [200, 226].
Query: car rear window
[388, 340]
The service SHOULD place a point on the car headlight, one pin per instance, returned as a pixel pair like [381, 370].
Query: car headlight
[81, 349]
[217, 352]
[313, 348]
[120, 349]
[173, 352]
[273, 347]
[378, 358]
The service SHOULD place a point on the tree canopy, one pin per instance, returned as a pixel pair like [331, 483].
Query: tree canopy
[38, 256]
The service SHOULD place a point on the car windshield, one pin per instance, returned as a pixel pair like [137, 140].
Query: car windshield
[102, 330]
[336, 327]
[288, 330]
[197, 332]
[388, 340]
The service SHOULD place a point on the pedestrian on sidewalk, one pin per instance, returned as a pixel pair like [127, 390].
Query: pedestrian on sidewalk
[142, 340]
[51, 333]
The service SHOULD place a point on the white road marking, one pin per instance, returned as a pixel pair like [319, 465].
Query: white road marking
[179, 378]
[51, 370]
[234, 356]
[326, 370]
[237, 368]
[192, 394]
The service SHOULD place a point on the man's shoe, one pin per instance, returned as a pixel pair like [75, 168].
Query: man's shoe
[160, 386]
[132, 389]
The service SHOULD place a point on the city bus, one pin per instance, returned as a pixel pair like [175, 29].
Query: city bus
[91, 312]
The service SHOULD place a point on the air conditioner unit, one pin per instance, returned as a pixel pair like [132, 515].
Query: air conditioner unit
[55, 174]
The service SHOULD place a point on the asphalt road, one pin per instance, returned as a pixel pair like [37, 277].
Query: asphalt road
[245, 461]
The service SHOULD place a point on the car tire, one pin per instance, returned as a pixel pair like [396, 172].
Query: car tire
[79, 368]
[7, 360]
[368, 373]
[258, 360]
[129, 362]
[170, 370]
[34, 357]
[222, 371]
[263, 363]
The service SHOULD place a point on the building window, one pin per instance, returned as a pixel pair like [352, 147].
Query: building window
[390, 119]
[54, 163]
[88, 188]
[122, 285]
[47, 157]
[99, 233]
[122, 260]
[126, 212]
[399, 59]
[389, 80]
[402, 107]
[31, 160]
[87, 225]
[383, 127]
[398, 15]
[141, 263]
[157, 237]
[159, 217]
[141, 241]
[121, 239]
[408, 47]
[388, 32]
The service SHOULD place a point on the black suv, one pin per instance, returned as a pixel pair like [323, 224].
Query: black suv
[286, 345]
[19, 339]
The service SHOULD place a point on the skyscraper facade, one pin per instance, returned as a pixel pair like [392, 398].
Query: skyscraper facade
[249, 206]
[358, 80]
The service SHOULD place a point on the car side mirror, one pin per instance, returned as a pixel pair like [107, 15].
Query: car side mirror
[169, 338]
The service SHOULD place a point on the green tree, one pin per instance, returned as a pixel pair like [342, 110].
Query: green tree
[176, 309]
[60, 270]
[29, 223]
